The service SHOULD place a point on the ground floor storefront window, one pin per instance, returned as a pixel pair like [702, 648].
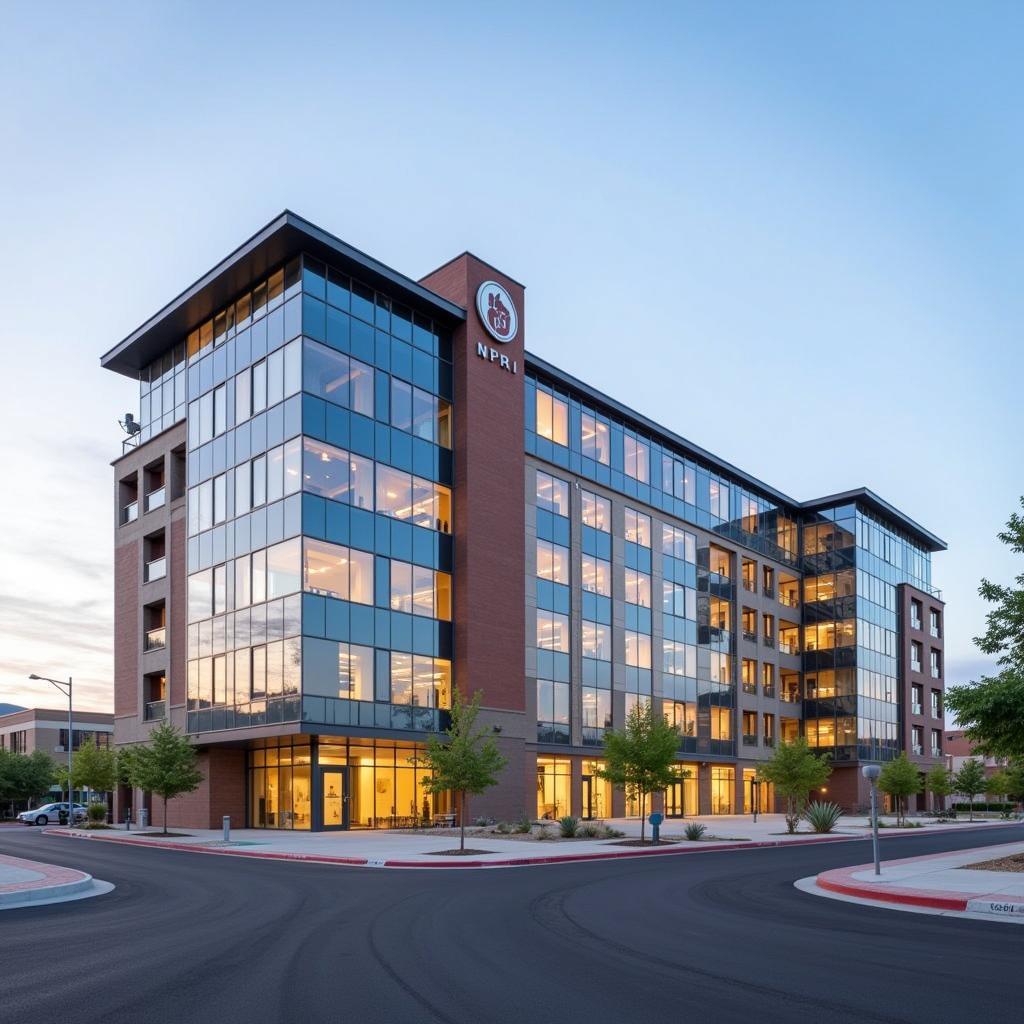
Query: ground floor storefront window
[760, 798]
[723, 789]
[335, 782]
[553, 774]
[597, 792]
[681, 797]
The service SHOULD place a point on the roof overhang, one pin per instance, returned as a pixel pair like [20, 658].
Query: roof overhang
[285, 236]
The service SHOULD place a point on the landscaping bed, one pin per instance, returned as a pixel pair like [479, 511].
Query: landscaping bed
[1015, 862]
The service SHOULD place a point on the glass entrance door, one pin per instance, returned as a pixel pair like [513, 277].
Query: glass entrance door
[333, 798]
[588, 805]
[674, 804]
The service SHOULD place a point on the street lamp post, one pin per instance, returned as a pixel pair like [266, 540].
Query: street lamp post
[756, 784]
[871, 773]
[64, 688]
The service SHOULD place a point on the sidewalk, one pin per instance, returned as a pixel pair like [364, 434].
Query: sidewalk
[26, 883]
[402, 849]
[936, 883]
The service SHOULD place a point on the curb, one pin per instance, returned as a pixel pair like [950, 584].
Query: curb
[31, 893]
[507, 862]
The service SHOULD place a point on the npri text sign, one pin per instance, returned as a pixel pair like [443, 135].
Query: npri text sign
[498, 314]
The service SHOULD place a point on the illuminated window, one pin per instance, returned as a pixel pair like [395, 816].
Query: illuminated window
[552, 417]
[597, 641]
[636, 459]
[595, 439]
[335, 571]
[638, 649]
[596, 575]
[638, 588]
[719, 499]
[723, 789]
[679, 659]
[552, 562]
[597, 512]
[552, 494]
[681, 714]
[638, 528]
[678, 543]
[552, 631]
[553, 776]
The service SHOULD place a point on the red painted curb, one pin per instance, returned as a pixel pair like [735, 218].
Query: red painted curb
[908, 897]
[508, 862]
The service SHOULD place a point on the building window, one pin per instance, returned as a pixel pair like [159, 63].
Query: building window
[596, 641]
[638, 649]
[719, 499]
[748, 675]
[681, 714]
[637, 459]
[334, 376]
[552, 631]
[596, 575]
[552, 710]
[595, 438]
[723, 787]
[768, 679]
[935, 623]
[936, 703]
[915, 613]
[553, 775]
[638, 588]
[597, 512]
[915, 656]
[917, 739]
[721, 723]
[936, 663]
[936, 743]
[678, 600]
[552, 562]
[597, 708]
[552, 417]
[678, 543]
[342, 476]
[916, 698]
[416, 590]
[679, 659]
[638, 528]
[552, 494]
[335, 571]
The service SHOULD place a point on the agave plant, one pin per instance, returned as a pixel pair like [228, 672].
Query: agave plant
[822, 817]
[568, 826]
[695, 831]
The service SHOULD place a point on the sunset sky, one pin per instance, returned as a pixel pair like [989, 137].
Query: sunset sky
[810, 211]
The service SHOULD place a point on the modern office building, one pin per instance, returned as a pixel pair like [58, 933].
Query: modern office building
[348, 492]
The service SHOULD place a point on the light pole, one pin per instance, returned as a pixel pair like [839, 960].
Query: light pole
[871, 773]
[66, 689]
[756, 784]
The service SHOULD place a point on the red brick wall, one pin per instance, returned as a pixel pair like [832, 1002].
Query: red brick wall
[127, 562]
[489, 515]
[221, 792]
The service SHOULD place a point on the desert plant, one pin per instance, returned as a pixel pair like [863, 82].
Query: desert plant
[480, 822]
[97, 812]
[544, 833]
[522, 826]
[822, 816]
[588, 830]
[503, 827]
[613, 833]
[568, 825]
[694, 831]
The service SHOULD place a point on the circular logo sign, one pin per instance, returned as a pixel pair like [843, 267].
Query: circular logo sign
[497, 311]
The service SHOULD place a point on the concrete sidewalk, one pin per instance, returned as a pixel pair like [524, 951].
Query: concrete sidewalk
[26, 883]
[936, 883]
[405, 849]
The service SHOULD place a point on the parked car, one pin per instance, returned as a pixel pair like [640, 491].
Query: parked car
[50, 813]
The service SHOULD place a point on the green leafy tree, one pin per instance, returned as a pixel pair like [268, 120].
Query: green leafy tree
[641, 758]
[991, 710]
[998, 784]
[166, 766]
[795, 770]
[26, 776]
[940, 784]
[465, 761]
[94, 767]
[900, 779]
[970, 781]
[1015, 780]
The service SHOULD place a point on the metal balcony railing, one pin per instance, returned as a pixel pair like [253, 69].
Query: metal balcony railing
[155, 639]
[155, 710]
[749, 741]
[155, 570]
[156, 499]
[129, 513]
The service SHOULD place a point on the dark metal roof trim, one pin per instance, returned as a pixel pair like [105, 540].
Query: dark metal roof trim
[284, 237]
[862, 494]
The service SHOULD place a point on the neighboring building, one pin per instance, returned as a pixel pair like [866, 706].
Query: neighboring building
[352, 491]
[958, 748]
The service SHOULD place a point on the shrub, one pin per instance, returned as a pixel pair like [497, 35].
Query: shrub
[613, 833]
[567, 826]
[589, 830]
[823, 816]
[481, 822]
[694, 831]
[544, 833]
[97, 812]
[984, 807]
[503, 827]
[522, 826]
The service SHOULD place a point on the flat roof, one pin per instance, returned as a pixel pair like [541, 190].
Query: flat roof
[861, 495]
[285, 236]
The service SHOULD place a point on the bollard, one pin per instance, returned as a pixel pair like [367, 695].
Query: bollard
[128, 819]
[227, 827]
[144, 817]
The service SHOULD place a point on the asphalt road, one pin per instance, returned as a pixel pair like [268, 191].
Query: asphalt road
[719, 937]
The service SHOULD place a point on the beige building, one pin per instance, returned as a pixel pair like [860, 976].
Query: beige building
[45, 729]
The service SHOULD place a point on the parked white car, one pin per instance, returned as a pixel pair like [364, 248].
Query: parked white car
[50, 813]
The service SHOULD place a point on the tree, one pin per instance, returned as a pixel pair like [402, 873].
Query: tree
[1015, 780]
[795, 770]
[94, 767]
[998, 784]
[641, 758]
[940, 783]
[900, 779]
[26, 776]
[165, 766]
[466, 761]
[991, 710]
[970, 780]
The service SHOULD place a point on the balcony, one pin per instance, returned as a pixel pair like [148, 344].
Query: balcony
[936, 752]
[768, 591]
[916, 709]
[768, 641]
[918, 749]
[155, 570]
[790, 696]
[788, 601]
[155, 639]
[768, 689]
[750, 585]
[750, 688]
[155, 710]
[915, 666]
[129, 513]
[750, 636]
[749, 741]
[915, 622]
[156, 499]
[768, 741]
[789, 647]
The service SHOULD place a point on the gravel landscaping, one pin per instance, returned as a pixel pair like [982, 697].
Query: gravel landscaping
[1012, 863]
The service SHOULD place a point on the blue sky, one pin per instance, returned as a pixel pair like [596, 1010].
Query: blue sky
[811, 212]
